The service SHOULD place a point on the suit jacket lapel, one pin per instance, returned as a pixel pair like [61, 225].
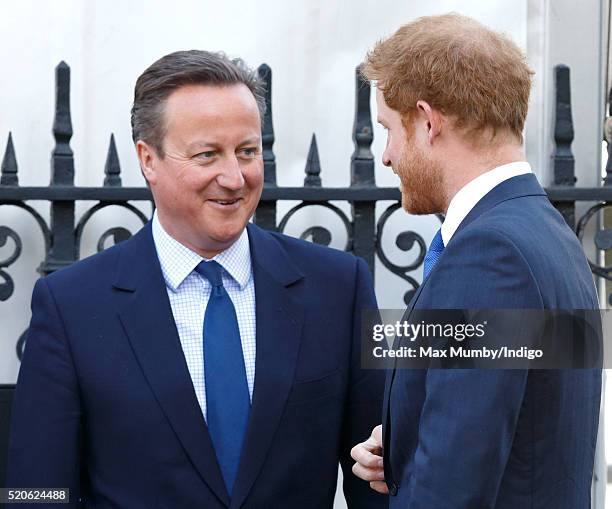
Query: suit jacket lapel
[279, 329]
[149, 324]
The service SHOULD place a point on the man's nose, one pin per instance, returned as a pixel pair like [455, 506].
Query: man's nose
[386, 160]
[231, 177]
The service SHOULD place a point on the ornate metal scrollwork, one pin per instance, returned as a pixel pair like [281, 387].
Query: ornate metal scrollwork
[118, 234]
[319, 234]
[7, 287]
[405, 241]
[603, 241]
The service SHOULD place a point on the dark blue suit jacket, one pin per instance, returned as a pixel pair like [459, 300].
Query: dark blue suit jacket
[105, 406]
[504, 439]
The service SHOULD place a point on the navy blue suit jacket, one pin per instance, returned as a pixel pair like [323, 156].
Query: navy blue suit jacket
[105, 406]
[504, 439]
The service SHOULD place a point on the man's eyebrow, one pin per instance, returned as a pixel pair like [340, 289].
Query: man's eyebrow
[200, 144]
[195, 145]
[251, 141]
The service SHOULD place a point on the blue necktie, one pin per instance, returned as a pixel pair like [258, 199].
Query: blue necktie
[227, 394]
[436, 248]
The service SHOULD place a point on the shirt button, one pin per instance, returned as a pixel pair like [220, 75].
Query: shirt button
[393, 489]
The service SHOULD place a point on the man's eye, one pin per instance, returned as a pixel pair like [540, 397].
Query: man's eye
[208, 154]
[250, 151]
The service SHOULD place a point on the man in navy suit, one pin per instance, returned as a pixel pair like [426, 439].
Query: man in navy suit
[453, 96]
[204, 362]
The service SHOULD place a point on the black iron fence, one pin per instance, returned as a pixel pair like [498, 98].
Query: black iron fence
[62, 236]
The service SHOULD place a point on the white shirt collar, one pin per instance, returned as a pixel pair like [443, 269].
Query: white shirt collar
[470, 194]
[178, 261]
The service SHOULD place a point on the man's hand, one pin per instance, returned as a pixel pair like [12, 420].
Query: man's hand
[369, 466]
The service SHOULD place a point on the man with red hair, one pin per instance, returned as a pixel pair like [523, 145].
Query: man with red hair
[453, 97]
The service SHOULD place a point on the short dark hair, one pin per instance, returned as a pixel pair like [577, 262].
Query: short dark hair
[176, 70]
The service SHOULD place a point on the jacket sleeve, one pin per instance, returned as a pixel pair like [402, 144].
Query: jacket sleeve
[46, 412]
[469, 416]
[364, 402]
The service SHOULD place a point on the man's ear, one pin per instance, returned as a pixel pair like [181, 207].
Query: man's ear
[146, 157]
[433, 119]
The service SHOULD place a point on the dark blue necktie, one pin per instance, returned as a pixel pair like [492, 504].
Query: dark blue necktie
[227, 394]
[436, 248]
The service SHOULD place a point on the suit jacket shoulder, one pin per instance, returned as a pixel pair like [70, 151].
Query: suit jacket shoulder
[513, 250]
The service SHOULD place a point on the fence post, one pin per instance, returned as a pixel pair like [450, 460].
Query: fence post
[265, 215]
[562, 158]
[362, 174]
[63, 246]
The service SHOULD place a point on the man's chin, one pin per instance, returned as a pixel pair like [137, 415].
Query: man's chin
[217, 235]
[409, 205]
[226, 237]
[415, 208]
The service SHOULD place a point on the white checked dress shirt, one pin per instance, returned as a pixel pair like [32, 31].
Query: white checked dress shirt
[189, 293]
[470, 194]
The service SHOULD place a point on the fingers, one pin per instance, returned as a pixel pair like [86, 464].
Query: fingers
[365, 454]
[368, 474]
[373, 444]
[369, 462]
[377, 435]
[380, 486]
